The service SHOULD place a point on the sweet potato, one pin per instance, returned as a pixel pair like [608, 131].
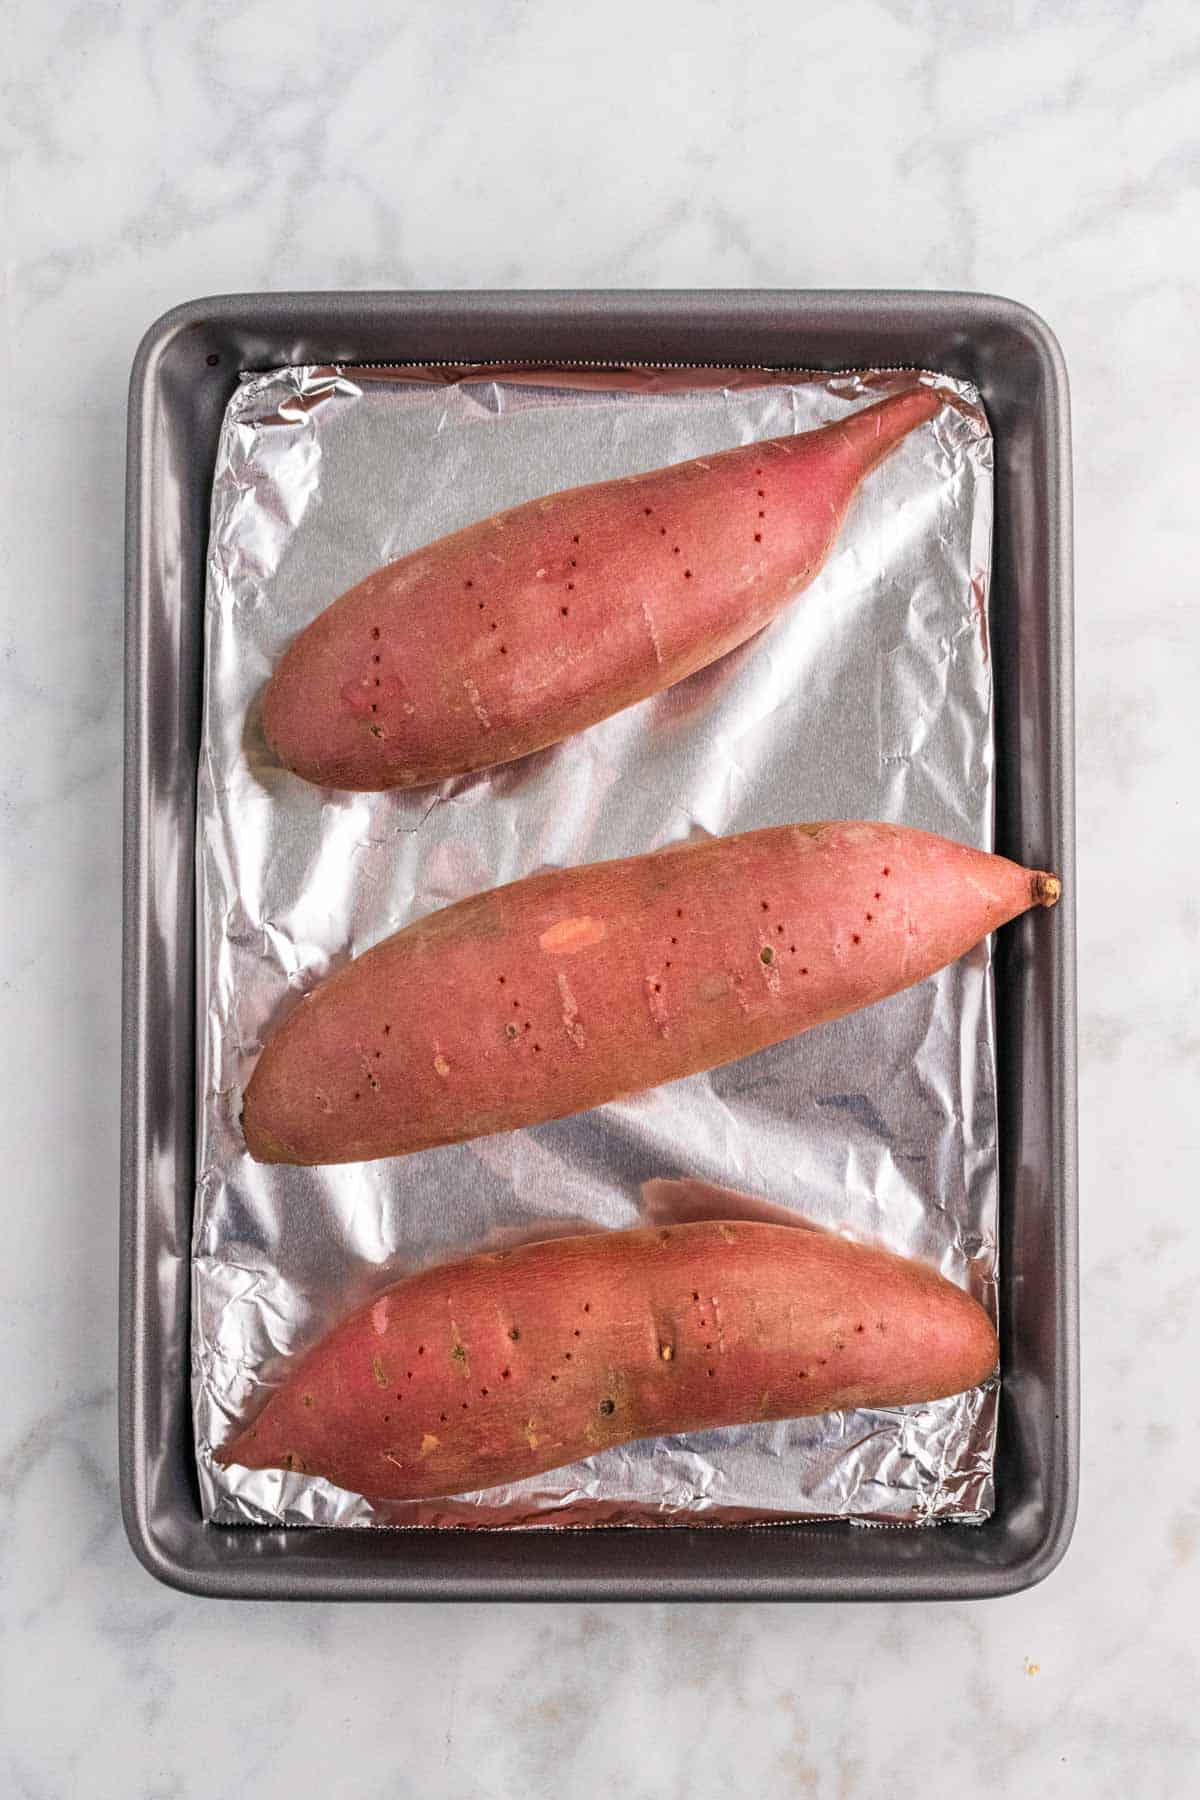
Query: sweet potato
[498, 1367]
[559, 992]
[526, 627]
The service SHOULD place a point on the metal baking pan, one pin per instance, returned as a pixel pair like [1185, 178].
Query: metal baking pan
[184, 372]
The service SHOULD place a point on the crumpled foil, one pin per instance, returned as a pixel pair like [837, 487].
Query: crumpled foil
[870, 696]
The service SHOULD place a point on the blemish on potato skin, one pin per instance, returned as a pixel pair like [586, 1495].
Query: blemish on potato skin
[379, 1316]
[429, 1443]
[379, 1372]
[477, 706]
[570, 935]
[441, 1065]
[713, 986]
[570, 1012]
[656, 1000]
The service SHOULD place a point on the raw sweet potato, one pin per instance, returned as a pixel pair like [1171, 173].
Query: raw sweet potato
[495, 1368]
[517, 631]
[571, 988]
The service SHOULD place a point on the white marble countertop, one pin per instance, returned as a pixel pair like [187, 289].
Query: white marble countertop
[156, 153]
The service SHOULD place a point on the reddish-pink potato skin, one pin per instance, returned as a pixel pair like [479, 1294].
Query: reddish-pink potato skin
[518, 631]
[560, 992]
[498, 1367]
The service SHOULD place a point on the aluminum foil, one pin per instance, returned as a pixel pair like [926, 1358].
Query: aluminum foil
[870, 696]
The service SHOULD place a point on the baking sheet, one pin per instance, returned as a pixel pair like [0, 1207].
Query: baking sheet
[871, 696]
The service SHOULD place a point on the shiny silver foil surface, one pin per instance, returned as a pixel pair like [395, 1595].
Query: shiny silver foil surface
[870, 697]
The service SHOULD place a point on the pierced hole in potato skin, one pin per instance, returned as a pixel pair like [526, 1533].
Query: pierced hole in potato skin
[695, 1295]
[377, 659]
[854, 938]
[587, 1306]
[859, 1328]
[608, 1407]
[358, 1096]
[687, 574]
[711, 1373]
[554, 1378]
[575, 539]
[579, 1333]
[375, 631]
[766, 905]
[804, 971]
[420, 1349]
[761, 494]
[758, 537]
[442, 1417]
[506, 1373]
[538, 1048]
[514, 1334]
[878, 895]
[887, 871]
[470, 584]
[387, 1031]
